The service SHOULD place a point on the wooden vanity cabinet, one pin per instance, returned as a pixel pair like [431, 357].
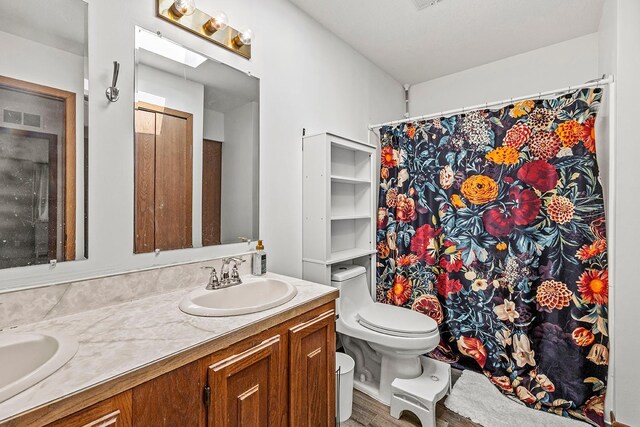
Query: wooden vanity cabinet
[112, 412]
[312, 360]
[283, 375]
[247, 387]
[172, 399]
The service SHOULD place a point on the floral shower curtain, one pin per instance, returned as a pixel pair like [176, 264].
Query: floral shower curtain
[492, 223]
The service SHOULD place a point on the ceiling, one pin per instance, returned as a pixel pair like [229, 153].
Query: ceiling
[61, 24]
[453, 35]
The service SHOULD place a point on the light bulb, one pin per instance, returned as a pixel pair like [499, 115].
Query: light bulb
[217, 22]
[244, 37]
[182, 8]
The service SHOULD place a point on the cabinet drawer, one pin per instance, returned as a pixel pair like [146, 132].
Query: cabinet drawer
[113, 412]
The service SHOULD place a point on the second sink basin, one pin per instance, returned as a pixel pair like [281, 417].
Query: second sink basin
[255, 294]
[27, 358]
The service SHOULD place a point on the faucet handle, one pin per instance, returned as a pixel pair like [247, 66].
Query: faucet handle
[235, 275]
[214, 283]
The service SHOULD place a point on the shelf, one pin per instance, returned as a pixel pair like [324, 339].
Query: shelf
[349, 254]
[339, 217]
[342, 256]
[345, 217]
[347, 180]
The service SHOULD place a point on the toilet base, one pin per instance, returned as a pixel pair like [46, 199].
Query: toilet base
[377, 367]
[395, 366]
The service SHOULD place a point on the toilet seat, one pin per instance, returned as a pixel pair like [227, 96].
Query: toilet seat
[396, 321]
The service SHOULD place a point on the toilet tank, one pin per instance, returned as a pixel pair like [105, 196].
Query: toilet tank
[351, 281]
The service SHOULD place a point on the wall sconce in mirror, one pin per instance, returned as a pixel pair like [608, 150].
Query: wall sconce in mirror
[214, 28]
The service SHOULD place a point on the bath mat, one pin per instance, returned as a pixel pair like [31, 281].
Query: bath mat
[474, 397]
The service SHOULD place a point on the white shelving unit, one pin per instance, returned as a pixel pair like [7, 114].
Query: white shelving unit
[338, 199]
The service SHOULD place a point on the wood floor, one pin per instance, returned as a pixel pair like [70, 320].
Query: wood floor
[371, 413]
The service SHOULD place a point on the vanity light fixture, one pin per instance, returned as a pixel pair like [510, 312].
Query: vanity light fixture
[218, 22]
[244, 37]
[214, 27]
[157, 44]
[181, 8]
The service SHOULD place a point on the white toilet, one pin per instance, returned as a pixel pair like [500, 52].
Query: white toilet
[385, 341]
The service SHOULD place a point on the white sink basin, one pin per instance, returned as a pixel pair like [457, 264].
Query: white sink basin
[250, 297]
[27, 358]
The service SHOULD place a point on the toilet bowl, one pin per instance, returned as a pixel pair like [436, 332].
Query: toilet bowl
[385, 341]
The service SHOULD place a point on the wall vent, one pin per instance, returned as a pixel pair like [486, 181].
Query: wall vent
[13, 117]
[422, 4]
[32, 120]
[20, 118]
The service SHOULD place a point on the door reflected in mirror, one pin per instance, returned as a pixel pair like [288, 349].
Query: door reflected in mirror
[43, 132]
[196, 149]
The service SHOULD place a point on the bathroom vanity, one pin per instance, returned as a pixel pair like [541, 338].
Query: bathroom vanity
[146, 363]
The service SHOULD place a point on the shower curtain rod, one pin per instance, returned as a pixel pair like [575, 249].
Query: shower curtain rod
[593, 83]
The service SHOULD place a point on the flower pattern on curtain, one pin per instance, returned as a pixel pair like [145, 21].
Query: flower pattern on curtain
[492, 223]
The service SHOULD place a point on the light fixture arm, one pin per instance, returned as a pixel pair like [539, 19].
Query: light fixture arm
[113, 93]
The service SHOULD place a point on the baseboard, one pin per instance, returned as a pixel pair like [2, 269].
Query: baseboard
[615, 423]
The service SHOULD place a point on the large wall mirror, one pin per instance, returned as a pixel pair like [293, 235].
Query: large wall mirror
[196, 148]
[43, 131]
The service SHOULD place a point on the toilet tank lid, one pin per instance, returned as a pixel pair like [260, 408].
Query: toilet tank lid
[340, 273]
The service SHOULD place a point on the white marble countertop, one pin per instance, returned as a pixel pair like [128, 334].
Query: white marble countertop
[118, 339]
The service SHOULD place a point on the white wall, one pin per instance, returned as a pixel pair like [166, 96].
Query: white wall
[34, 62]
[238, 153]
[313, 80]
[620, 44]
[553, 67]
[171, 91]
[213, 125]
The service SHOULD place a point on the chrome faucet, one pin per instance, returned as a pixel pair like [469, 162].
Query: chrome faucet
[226, 278]
[233, 278]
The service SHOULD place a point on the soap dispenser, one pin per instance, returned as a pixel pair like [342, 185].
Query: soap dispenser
[259, 260]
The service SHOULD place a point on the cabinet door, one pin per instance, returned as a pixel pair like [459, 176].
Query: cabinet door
[246, 388]
[113, 412]
[171, 400]
[312, 360]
